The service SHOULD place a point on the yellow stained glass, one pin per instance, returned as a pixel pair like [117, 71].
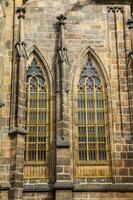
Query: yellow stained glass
[93, 141]
[37, 124]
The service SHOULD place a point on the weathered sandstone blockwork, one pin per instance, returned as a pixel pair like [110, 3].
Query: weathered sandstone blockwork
[99, 27]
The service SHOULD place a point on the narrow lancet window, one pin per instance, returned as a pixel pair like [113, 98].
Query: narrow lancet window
[37, 123]
[92, 126]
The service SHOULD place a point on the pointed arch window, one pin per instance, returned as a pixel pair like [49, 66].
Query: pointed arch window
[92, 126]
[37, 123]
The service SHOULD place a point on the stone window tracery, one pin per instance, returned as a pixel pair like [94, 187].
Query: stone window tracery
[37, 123]
[92, 126]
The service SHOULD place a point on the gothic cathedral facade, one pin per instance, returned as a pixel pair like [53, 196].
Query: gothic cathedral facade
[66, 100]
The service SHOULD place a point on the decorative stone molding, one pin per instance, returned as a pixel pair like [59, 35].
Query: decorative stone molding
[62, 45]
[130, 23]
[62, 19]
[20, 47]
[78, 187]
[63, 186]
[115, 9]
[103, 187]
[130, 54]
[5, 186]
[1, 103]
[37, 187]
[16, 131]
[127, 2]
[62, 140]
[62, 89]
[4, 4]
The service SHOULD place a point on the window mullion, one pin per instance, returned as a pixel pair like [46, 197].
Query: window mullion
[46, 125]
[106, 129]
[93, 136]
[27, 121]
[37, 121]
[95, 122]
[86, 123]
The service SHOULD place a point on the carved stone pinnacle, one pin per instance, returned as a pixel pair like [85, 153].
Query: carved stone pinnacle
[21, 11]
[62, 19]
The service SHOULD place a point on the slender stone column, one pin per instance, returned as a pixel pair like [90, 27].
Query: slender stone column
[18, 132]
[1, 105]
[62, 88]
[130, 72]
[63, 185]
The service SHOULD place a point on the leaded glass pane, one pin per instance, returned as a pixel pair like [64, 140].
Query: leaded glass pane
[93, 148]
[37, 114]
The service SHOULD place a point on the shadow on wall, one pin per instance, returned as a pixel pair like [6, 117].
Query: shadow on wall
[79, 5]
[82, 3]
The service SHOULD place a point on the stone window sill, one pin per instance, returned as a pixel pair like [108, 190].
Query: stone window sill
[41, 187]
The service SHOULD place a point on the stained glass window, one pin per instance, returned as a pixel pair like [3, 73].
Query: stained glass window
[92, 127]
[37, 123]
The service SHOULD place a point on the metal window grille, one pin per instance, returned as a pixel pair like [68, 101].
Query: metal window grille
[93, 143]
[37, 124]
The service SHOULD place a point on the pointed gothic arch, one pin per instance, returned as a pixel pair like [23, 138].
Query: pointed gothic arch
[35, 52]
[38, 116]
[77, 66]
[91, 129]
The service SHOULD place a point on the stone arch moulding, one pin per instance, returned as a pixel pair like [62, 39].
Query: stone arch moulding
[77, 66]
[74, 74]
[34, 51]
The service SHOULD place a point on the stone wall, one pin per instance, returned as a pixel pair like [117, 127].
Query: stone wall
[38, 196]
[103, 29]
[100, 196]
[5, 90]
[91, 27]
[81, 196]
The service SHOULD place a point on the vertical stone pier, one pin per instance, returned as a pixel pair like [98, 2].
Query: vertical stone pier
[130, 72]
[63, 185]
[18, 132]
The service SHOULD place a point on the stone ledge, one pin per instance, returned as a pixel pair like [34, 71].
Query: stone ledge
[78, 187]
[103, 188]
[37, 187]
[41, 187]
[127, 2]
[5, 186]
[63, 186]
